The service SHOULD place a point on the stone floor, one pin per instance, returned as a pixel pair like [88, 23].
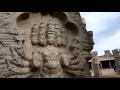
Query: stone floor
[108, 73]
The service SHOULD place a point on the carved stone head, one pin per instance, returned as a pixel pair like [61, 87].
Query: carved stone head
[59, 35]
[51, 33]
[42, 34]
[51, 38]
[34, 34]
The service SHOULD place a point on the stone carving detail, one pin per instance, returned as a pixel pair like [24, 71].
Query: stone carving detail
[34, 35]
[50, 60]
[42, 34]
[77, 62]
[87, 42]
[42, 45]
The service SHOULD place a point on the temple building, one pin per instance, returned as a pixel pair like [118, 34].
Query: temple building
[106, 61]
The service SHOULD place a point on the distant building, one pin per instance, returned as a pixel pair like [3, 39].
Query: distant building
[106, 61]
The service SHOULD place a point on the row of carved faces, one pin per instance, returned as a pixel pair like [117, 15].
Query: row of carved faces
[51, 34]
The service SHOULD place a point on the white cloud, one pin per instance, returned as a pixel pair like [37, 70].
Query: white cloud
[97, 21]
[108, 43]
[103, 23]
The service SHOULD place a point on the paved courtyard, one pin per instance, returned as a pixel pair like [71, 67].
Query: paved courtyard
[108, 73]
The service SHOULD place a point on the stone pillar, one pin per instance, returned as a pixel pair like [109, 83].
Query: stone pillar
[96, 65]
[116, 54]
[101, 65]
[110, 64]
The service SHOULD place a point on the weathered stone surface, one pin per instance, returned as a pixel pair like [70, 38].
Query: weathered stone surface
[44, 45]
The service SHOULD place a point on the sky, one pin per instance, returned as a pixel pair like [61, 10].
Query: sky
[106, 30]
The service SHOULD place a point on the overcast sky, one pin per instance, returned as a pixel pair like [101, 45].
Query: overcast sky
[106, 29]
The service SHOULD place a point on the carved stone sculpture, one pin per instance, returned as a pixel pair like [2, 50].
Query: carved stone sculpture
[44, 45]
[87, 42]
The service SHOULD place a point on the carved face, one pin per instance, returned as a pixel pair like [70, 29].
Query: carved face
[51, 26]
[42, 31]
[34, 36]
[42, 40]
[20, 51]
[35, 31]
[51, 39]
[58, 41]
[34, 39]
